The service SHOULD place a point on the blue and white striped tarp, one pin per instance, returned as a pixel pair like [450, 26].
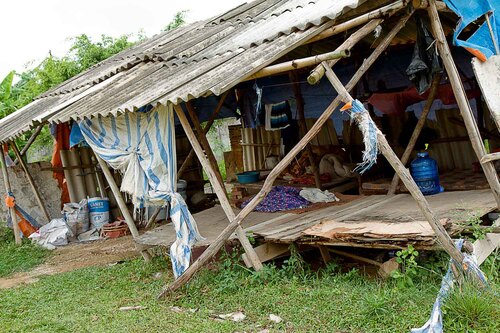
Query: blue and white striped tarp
[141, 145]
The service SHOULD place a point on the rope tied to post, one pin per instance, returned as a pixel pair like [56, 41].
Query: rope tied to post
[362, 118]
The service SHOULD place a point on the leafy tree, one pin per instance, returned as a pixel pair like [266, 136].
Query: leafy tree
[178, 20]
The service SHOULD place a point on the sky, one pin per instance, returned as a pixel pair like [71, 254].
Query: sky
[30, 29]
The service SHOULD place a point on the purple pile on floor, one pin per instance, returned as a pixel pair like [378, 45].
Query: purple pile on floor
[280, 198]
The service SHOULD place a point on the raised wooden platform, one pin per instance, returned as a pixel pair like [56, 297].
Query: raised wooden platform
[377, 221]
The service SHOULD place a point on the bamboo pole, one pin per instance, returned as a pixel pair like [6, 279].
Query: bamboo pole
[12, 211]
[318, 72]
[121, 203]
[404, 174]
[362, 19]
[34, 188]
[30, 141]
[209, 124]
[303, 126]
[417, 130]
[218, 188]
[298, 63]
[488, 158]
[462, 101]
[315, 129]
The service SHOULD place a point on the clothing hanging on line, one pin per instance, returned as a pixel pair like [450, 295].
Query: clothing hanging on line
[278, 116]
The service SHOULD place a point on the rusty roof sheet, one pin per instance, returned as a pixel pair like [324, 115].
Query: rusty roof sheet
[199, 59]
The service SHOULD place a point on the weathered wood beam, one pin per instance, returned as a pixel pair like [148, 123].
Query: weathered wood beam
[30, 141]
[218, 188]
[405, 176]
[362, 19]
[209, 124]
[315, 129]
[202, 138]
[8, 189]
[490, 158]
[462, 101]
[318, 72]
[121, 203]
[298, 63]
[31, 181]
[418, 128]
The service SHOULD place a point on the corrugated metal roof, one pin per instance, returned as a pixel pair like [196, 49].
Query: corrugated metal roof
[203, 58]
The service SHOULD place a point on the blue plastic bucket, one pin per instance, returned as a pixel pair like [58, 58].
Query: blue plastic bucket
[98, 211]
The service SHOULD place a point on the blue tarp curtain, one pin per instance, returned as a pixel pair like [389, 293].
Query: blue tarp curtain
[141, 145]
[470, 11]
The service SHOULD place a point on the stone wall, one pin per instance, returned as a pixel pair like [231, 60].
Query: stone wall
[47, 186]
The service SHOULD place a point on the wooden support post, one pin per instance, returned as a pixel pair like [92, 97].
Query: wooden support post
[294, 78]
[315, 129]
[404, 174]
[12, 211]
[34, 188]
[202, 139]
[121, 203]
[218, 188]
[416, 132]
[318, 72]
[325, 254]
[488, 158]
[462, 101]
[30, 141]
[209, 124]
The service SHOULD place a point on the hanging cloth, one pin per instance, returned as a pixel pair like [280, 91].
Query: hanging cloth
[480, 43]
[141, 145]
[278, 116]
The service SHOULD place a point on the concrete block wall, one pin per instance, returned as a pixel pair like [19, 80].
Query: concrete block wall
[47, 186]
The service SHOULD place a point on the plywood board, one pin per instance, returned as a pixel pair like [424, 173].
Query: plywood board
[488, 76]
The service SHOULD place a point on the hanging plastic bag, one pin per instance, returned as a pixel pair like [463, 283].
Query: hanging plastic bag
[425, 60]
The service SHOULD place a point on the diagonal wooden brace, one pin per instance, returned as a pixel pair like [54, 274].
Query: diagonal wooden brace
[443, 237]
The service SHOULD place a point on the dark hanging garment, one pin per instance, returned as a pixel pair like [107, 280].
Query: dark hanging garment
[278, 116]
[425, 60]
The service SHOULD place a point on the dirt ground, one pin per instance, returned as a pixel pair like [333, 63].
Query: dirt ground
[75, 256]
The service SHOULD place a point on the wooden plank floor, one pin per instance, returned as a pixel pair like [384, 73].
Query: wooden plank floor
[210, 222]
[376, 213]
[367, 215]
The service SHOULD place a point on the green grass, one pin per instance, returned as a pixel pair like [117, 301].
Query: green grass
[18, 258]
[328, 300]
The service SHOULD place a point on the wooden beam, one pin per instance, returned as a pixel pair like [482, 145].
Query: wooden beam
[298, 63]
[209, 124]
[33, 186]
[218, 188]
[490, 158]
[325, 254]
[315, 129]
[362, 19]
[404, 174]
[299, 99]
[121, 203]
[318, 72]
[202, 138]
[267, 251]
[416, 132]
[30, 141]
[462, 101]
[12, 211]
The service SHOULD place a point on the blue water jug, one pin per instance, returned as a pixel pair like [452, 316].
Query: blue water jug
[424, 171]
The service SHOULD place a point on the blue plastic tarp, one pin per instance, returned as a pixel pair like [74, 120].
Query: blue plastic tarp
[469, 11]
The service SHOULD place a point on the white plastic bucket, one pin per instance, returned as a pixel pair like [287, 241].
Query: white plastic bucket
[99, 211]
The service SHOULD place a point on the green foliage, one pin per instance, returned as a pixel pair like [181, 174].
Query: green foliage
[470, 309]
[6, 86]
[178, 20]
[18, 258]
[473, 223]
[407, 258]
